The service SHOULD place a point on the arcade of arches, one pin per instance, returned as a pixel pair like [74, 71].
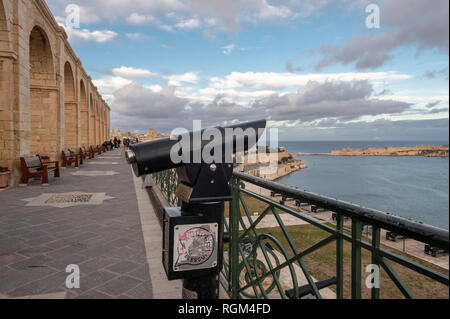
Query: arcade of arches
[47, 101]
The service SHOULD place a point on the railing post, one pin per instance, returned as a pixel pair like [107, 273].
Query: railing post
[234, 240]
[167, 183]
[356, 259]
[375, 257]
[339, 257]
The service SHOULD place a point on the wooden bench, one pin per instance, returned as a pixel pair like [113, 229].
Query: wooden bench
[69, 157]
[93, 150]
[99, 149]
[84, 154]
[96, 150]
[34, 167]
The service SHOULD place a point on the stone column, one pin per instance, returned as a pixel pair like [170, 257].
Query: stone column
[7, 138]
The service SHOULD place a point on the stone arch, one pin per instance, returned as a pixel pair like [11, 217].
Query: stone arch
[70, 109]
[4, 31]
[97, 124]
[92, 121]
[6, 96]
[69, 83]
[102, 127]
[105, 125]
[44, 119]
[108, 124]
[84, 115]
[41, 57]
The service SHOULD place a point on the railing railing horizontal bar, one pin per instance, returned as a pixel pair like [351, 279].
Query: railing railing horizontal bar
[290, 211]
[425, 233]
[384, 253]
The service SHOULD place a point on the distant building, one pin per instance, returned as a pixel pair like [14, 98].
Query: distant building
[150, 135]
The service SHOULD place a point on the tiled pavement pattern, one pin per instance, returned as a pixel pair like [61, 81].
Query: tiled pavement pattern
[37, 243]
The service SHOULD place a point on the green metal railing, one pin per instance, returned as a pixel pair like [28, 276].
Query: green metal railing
[264, 263]
[168, 182]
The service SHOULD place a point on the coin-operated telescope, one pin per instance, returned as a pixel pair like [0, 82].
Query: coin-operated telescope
[193, 233]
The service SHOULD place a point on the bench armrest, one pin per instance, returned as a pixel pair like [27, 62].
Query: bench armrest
[49, 162]
[35, 166]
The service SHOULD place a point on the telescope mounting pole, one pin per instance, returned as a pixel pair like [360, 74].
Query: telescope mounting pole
[205, 287]
[203, 198]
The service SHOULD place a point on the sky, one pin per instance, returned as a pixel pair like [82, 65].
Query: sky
[315, 69]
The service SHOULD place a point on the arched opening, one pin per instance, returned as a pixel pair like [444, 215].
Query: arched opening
[105, 131]
[4, 34]
[97, 125]
[70, 109]
[69, 85]
[84, 115]
[92, 121]
[44, 119]
[102, 125]
[6, 98]
[108, 125]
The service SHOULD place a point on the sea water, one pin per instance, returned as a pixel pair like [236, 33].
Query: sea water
[414, 187]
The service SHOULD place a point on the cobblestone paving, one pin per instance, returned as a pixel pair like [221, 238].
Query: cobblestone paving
[37, 243]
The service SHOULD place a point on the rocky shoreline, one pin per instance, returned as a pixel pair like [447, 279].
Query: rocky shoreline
[420, 150]
[286, 164]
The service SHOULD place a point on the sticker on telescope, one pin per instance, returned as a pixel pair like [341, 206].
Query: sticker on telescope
[195, 247]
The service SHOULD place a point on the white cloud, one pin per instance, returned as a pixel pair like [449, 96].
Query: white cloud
[416, 98]
[217, 15]
[136, 18]
[188, 77]
[211, 22]
[133, 100]
[270, 12]
[108, 85]
[339, 100]
[128, 72]
[271, 80]
[89, 15]
[154, 88]
[135, 35]
[140, 19]
[165, 27]
[228, 49]
[212, 92]
[100, 36]
[189, 24]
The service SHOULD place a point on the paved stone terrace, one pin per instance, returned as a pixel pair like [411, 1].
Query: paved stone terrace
[103, 237]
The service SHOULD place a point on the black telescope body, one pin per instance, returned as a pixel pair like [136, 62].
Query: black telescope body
[155, 156]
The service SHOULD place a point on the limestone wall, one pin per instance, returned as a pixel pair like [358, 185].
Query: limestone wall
[47, 101]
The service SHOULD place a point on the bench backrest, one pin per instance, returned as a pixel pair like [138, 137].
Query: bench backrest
[67, 154]
[33, 163]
